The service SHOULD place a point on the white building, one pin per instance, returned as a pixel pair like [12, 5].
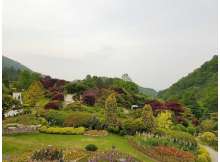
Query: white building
[68, 99]
[17, 96]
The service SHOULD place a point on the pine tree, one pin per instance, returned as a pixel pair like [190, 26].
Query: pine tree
[33, 93]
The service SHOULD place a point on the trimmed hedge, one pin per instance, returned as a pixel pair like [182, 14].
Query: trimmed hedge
[64, 130]
[91, 147]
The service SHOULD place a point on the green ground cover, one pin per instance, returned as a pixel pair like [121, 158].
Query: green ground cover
[14, 145]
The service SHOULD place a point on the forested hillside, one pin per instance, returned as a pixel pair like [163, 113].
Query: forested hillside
[198, 90]
[15, 75]
[9, 63]
[146, 91]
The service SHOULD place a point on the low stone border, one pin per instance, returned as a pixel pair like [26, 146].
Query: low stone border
[14, 128]
[96, 133]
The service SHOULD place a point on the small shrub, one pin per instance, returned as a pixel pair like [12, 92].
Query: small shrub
[113, 129]
[209, 138]
[49, 153]
[207, 125]
[75, 106]
[89, 99]
[91, 147]
[131, 126]
[55, 117]
[53, 105]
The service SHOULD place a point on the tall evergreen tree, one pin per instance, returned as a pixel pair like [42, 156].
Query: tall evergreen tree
[33, 93]
[110, 110]
[148, 118]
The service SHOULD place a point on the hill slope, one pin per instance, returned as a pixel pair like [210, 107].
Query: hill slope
[9, 63]
[146, 91]
[198, 90]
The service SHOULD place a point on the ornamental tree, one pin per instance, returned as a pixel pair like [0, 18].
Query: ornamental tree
[164, 120]
[148, 118]
[111, 110]
[33, 93]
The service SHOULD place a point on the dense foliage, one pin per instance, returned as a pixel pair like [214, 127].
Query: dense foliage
[198, 90]
[94, 90]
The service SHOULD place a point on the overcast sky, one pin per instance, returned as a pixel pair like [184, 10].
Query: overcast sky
[155, 41]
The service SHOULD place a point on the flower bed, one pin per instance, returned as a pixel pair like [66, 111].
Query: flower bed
[112, 155]
[48, 153]
[163, 153]
[96, 133]
[76, 155]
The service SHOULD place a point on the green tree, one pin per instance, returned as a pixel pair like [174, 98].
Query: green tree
[111, 110]
[164, 120]
[77, 87]
[26, 78]
[34, 93]
[148, 118]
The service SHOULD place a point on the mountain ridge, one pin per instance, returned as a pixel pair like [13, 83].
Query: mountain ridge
[10, 63]
[198, 90]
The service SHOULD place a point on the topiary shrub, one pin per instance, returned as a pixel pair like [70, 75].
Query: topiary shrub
[91, 147]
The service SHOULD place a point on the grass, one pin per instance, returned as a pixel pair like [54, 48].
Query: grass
[14, 145]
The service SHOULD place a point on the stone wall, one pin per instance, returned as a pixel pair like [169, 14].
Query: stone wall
[20, 128]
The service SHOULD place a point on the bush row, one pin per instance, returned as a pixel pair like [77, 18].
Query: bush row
[65, 130]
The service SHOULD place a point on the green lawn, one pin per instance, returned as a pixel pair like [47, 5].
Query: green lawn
[18, 144]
